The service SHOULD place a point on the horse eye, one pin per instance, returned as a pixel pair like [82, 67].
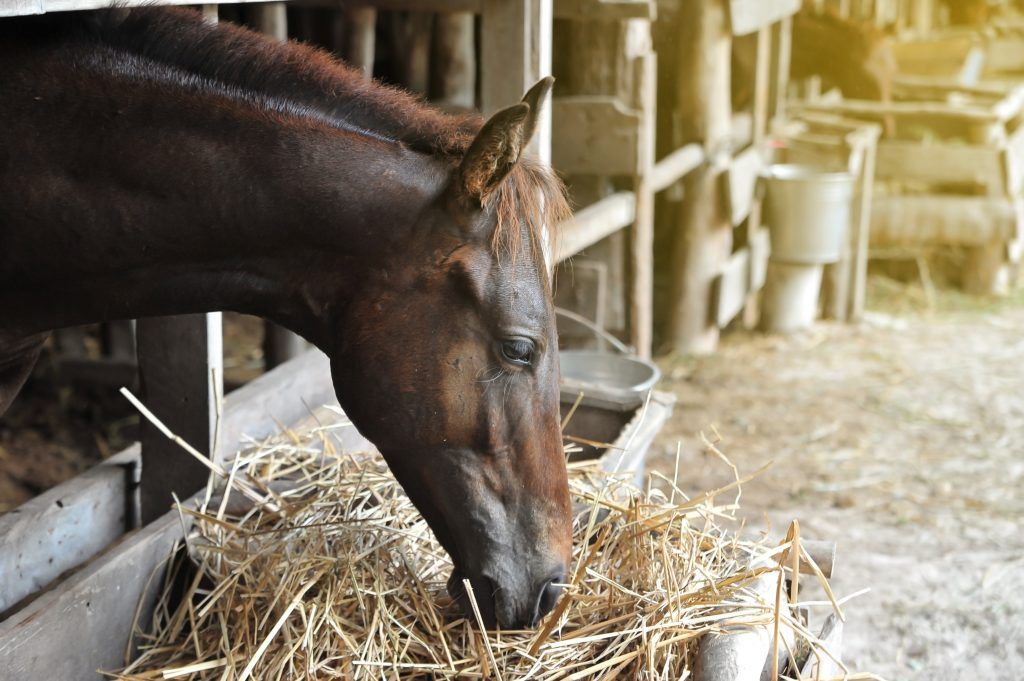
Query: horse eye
[517, 351]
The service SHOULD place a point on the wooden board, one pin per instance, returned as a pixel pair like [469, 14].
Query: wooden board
[942, 220]
[742, 181]
[65, 526]
[729, 292]
[595, 222]
[605, 10]
[675, 166]
[597, 135]
[942, 163]
[747, 16]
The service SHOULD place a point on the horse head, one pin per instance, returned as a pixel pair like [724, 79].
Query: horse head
[448, 362]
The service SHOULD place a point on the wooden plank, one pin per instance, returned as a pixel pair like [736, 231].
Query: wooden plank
[605, 10]
[359, 29]
[731, 287]
[181, 369]
[10, 8]
[65, 526]
[742, 181]
[83, 624]
[454, 60]
[760, 244]
[675, 166]
[629, 450]
[597, 135]
[748, 16]
[942, 164]
[641, 297]
[474, 6]
[515, 52]
[595, 222]
[941, 220]
[915, 110]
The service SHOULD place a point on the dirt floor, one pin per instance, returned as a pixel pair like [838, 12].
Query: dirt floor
[902, 438]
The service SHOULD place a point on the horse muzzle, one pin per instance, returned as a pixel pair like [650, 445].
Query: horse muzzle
[517, 600]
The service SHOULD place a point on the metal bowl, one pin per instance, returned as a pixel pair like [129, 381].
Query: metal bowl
[621, 375]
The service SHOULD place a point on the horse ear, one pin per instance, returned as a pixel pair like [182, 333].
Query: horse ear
[535, 97]
[494, 152]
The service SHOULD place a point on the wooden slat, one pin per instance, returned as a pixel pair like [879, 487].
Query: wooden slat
[83, 624]
[595, 222]
[675, 166]
[605, 10]
[942, 163]
[474, 6]
[760, 248]
[747, 16]
[65, 526]
[731, 287]
[742, 176]
[942, 220]
[597, 135]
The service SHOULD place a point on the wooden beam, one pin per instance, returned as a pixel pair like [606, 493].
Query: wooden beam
[703, 240]
[675, 166]
[641, 298]
[359, 28]
[595, 222]
[606, 10]
[65, 526]
[181, 371]
[597, 135]
[749, 16]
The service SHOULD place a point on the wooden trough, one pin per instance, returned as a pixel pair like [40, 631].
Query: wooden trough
[89, 615]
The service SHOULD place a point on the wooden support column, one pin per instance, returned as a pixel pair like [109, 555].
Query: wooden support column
[356, 36]
[515, 52]
[704, 235]
[783, 44]
[412, 32]
[641, 309]
[210, 13]
[454, 60]
[270, 18]
[181, 371]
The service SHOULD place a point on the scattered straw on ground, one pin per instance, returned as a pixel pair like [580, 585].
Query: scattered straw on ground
[338, 576]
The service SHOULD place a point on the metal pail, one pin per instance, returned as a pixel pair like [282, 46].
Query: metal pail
[808, 212]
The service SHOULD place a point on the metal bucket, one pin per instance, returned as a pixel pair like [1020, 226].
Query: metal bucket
[605, 376]
[808, 212]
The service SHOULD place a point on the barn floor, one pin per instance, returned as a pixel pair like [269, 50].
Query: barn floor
[903, 439]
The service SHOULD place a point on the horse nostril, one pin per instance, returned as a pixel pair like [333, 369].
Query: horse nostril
[547, 598]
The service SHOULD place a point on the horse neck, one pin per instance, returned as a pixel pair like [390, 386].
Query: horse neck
[222, 205]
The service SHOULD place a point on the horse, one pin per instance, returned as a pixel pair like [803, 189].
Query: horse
[152, 164]
[855, 57]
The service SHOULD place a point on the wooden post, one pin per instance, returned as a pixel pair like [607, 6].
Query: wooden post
[641, 309]
[454, 60]
[412, 31]
[783, 53]
[270, 18]
[515, 52]
[704, 236]
[210, 13]
[181, 370]
[355, 37]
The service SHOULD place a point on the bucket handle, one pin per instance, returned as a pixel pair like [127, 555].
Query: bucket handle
[597, 330]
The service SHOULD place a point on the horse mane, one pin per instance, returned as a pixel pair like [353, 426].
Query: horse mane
[530, 200]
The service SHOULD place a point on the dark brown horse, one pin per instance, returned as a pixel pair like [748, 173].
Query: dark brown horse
[852, 56]
[151, 164]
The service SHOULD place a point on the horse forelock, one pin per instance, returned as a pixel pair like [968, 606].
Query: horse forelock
[530, 205]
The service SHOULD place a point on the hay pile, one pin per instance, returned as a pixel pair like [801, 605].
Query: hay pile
[337, 576]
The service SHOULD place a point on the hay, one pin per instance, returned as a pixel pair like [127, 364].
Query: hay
[334, 575]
